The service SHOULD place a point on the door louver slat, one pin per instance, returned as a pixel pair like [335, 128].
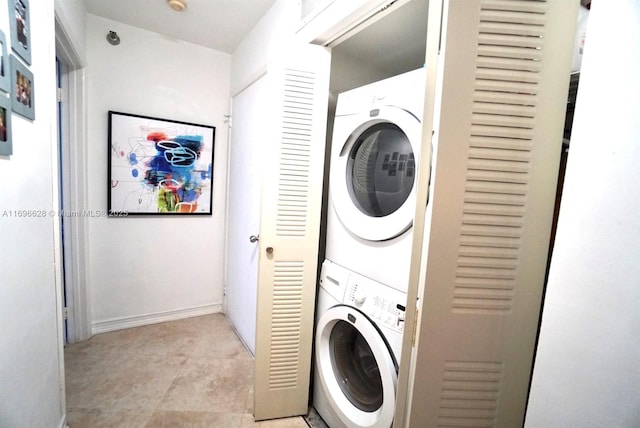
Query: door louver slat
[469, 396]
[505, 64]
[494, 111]
[295, 150]
[285, 327]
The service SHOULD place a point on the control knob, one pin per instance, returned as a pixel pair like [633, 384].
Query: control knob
[359, 296]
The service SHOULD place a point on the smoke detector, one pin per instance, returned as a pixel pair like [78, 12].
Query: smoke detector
[177, 5]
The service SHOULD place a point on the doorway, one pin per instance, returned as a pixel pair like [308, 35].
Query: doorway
[72, 178]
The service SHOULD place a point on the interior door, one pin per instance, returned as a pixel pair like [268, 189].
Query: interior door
[295, 139]
[505, 75]
[245, 172]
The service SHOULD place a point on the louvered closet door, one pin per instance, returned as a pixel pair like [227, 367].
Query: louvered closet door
[289, 231]
[505, 79]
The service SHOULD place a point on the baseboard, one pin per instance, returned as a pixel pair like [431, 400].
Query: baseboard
[140, 320]
[63, 422]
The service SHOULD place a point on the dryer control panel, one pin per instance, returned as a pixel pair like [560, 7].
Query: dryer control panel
[384, 305]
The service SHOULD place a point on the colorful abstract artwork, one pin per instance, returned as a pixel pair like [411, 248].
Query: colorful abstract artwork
[159, 166]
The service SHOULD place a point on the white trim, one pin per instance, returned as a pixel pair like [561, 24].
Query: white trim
[78, 197]
[140, 320]
[74, 179]
[225, 256]
[57, 257]
[63, 421]
[336, 19]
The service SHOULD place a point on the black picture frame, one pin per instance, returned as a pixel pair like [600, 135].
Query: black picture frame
[159, 166]
[20, 25]
[6, 135]
[23, 95]
[5, 66]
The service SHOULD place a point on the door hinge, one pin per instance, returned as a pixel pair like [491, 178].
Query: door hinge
[59, 94]
[228, 120]
[65, 313]
[415, 329]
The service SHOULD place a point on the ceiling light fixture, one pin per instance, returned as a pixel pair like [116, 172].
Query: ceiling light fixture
[177, 5]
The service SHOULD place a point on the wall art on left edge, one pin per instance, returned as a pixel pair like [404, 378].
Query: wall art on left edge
[20, 28]
[6, 144]
[5, 67]
[159, 166]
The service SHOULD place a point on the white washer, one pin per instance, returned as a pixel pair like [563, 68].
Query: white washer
[358, 340]
[375, 153]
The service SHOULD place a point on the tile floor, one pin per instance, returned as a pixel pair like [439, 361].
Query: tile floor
[188, 373]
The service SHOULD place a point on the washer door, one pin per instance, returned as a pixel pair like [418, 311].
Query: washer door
[373, 172]
[357, 372]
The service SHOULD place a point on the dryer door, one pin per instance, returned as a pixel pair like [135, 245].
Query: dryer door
[373, 171]
[357, 372]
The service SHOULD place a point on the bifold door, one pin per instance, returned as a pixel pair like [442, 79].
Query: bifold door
[505, 75]
[293, 163]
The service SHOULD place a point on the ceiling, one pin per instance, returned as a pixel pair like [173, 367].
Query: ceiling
[216, 24]
[386, 44]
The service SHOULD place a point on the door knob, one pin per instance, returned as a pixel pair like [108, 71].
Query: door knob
[254, 238]
[269, 250]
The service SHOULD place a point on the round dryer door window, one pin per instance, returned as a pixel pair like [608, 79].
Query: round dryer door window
[381, 170]
[374, 171]
[356, 368]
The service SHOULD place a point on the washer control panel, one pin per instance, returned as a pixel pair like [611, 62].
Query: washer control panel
[386, 306]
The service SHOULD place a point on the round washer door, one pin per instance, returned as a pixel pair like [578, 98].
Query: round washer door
[373, 172]
[356, 369]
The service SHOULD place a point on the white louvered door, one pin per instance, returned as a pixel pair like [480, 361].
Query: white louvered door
[289, 231]
[504, 90]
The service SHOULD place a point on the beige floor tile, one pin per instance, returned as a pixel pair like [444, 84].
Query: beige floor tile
[249, 406]
[116, 341]
[83, 365]
[131, 382]
[221, 343]
[166, 339]
[297, 422]
[210, 385]
[193, 372]
[97, 418]
[175, 419]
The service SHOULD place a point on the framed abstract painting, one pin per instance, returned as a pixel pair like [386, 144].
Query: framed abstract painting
[159, 166]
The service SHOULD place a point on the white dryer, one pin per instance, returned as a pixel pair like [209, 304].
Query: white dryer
[358, 340]
[375, 152]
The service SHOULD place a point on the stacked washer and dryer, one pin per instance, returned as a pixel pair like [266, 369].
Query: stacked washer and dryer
[362, 294]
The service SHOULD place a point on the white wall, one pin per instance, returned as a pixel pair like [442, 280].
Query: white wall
[251, 56]
[146, 269]
[30, 380]
[587, 371]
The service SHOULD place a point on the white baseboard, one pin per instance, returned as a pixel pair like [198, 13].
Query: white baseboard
[140, 320]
